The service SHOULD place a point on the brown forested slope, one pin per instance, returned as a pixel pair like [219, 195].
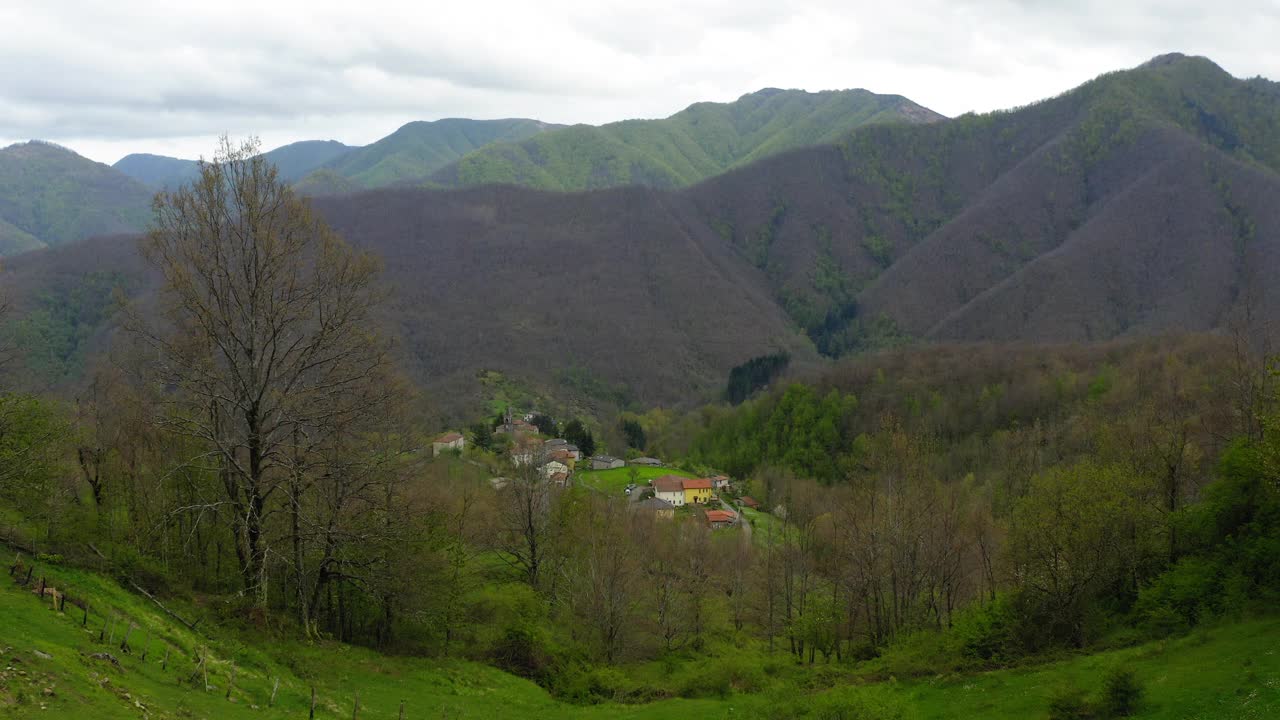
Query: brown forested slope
[1143, 202]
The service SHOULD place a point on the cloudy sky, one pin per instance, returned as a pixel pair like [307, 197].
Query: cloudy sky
[168, 76]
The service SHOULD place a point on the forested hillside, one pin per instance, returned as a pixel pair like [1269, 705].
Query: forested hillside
[226, 475]
[49, 195]
[418, 149]
[1137, 204]
[703, 140]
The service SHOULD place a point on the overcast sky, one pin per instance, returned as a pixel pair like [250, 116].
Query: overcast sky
[168, 76]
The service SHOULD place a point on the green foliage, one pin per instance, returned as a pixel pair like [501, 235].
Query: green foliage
[797, 430]
[753, 375]
[53, 337]
[1121, 693]
[33, 434]
[418, 149]
[577, 434]
[701, 141]
[1070, 703]
[53, 196]
[482, 435]
[633, 433]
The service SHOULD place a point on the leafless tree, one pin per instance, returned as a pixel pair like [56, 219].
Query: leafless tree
[267, 333]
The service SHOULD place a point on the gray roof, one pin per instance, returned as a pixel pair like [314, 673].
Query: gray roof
[655, 504]
[604, 458]
[646, 461]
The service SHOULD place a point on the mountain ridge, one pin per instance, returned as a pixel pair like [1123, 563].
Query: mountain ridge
[1139, 203]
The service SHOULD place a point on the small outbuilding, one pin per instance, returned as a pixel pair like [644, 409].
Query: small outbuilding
[607, 462]
[448, 441]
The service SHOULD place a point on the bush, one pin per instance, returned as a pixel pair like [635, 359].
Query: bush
[1121, 693]
[1181, 597]
[1070, 704]
[723, 676]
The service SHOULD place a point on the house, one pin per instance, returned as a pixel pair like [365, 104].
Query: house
[697, 491]
[552, 467]
[717, 519]
[661, 509]
[555, 443]
[606, 462]
[646, 462]
[526, 451]
[720, 482]
[669, 488]
[748, 501]
[564, 456]
[573, 451]
[448, 441]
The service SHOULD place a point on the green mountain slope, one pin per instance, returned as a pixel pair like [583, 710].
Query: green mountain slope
[420, 148]
[49, 195]
[694, 144]
[294, 161]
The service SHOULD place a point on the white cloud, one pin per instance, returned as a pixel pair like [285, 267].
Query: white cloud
[142, 75]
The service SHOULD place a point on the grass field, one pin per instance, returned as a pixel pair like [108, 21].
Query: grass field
[1228, 672]
[616, 480]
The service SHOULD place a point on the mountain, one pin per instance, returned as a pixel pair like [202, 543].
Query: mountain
[1140, 203]
[293, 160]
[1137, 203]
[157, 171]
[49, 195]
[701, 141]
[418, 149]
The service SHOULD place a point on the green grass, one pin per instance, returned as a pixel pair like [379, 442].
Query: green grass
[614, 481]
[1228, 672]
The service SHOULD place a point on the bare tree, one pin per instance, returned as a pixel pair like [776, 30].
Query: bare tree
[524, 535]
[268, 331]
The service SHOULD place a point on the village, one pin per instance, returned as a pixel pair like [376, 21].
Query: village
[650, 485]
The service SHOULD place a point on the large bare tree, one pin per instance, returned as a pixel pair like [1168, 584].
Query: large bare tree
[266, 333]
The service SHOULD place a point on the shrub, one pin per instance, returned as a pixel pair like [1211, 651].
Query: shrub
[1121, 693]
[1070, 704]
[1181, 597]
[720, 677]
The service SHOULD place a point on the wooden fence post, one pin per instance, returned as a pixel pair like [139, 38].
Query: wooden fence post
[355, 712]
[231, 680]
[312, 715]
[275, 687]
[401, 710]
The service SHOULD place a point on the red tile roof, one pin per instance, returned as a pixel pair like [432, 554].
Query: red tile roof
[749, 501]
[668, 483]
[721, 516]
[697, 484]
[449, 437]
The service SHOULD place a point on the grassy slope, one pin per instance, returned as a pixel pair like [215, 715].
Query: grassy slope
[614, 481]
[694, 144]
[1227, 672]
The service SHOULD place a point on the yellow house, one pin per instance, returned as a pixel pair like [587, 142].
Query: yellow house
[697, 490]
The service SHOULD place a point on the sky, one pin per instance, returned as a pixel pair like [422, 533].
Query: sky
[168, 76]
